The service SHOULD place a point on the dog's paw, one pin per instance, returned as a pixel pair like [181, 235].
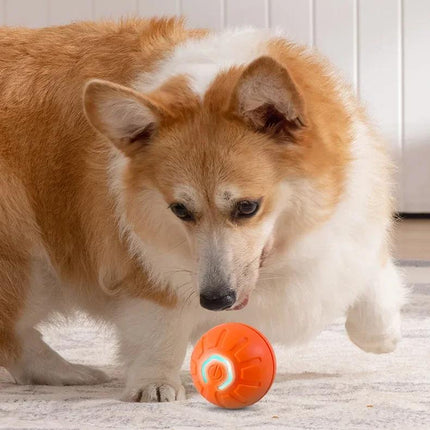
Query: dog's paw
[154, 392]
[83, 375]
[377, 343]
[64, 374]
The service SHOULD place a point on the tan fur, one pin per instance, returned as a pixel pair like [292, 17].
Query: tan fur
[329, 125]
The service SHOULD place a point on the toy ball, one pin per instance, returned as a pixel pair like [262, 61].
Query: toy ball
[233, 365]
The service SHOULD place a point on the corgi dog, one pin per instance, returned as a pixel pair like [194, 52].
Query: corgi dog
[166, 180]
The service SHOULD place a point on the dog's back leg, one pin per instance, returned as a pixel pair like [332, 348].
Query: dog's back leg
[17, 234]
[13, 283]
[32, 298]
[22, 350]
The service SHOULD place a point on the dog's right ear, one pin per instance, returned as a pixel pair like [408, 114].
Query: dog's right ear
[124, 116]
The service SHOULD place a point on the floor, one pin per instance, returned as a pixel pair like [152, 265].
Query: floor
[412, 239]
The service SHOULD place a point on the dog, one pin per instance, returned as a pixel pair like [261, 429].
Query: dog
[166, 180]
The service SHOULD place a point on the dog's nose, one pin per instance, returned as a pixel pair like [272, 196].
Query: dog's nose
[217, 299]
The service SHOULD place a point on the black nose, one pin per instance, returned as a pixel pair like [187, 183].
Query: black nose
[217, 299]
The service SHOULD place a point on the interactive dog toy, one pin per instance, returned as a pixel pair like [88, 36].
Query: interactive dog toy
[233, 365]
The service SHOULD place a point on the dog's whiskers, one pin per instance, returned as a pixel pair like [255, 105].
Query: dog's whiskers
[189, 298]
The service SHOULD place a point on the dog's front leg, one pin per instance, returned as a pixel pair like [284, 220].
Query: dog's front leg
[153, 342]
[373, 322]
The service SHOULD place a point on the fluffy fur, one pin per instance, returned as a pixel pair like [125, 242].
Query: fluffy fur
[103, 126]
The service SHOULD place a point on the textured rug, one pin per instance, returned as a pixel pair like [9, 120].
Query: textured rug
[330, 384]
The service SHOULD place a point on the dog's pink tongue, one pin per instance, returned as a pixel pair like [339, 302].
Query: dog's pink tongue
[240, 305]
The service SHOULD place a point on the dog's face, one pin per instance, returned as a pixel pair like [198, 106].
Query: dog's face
[223, 197]
[210, 172]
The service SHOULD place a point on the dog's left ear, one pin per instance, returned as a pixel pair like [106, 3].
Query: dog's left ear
[267, 99]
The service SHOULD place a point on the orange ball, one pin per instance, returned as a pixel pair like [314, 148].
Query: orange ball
[233, 365]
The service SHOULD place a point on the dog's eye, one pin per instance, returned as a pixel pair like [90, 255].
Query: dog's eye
[246, 209]
[181, 212]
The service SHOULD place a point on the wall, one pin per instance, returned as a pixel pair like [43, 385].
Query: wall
[381, 46]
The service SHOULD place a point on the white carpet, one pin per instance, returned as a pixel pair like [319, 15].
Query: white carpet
[329, 384]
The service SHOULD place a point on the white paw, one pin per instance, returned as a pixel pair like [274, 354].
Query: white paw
[378, 343]
[155, 392]
[67, 374]
[83, 375]
[40, 365]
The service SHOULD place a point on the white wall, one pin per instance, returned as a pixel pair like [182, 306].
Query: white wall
[382, 46]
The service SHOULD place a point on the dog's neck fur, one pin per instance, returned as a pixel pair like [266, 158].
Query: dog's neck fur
[202, 59]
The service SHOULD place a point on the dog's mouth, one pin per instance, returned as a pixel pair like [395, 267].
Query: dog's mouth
[240, 305]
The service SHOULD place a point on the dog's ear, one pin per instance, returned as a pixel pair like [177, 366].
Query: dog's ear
[267, 99]
[127, 118]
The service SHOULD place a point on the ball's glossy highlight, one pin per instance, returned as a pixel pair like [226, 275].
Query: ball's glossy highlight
[233, 365]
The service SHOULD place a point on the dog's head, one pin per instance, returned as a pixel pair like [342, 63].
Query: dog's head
[220, 172]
